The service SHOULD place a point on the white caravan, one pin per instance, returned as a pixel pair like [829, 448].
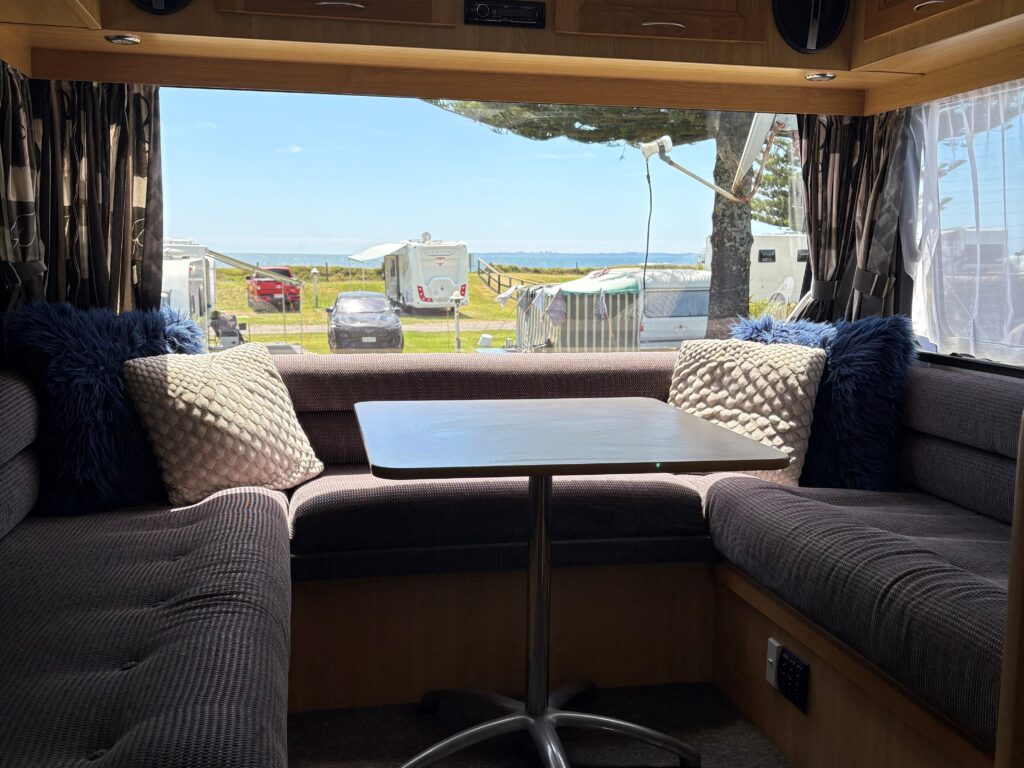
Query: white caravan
[422, 274]
[777, 266]
[186, 285]
[673, 306]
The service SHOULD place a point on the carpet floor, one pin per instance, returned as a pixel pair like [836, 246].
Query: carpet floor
[384, 737]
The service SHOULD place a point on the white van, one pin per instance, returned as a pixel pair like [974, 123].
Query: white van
[422, 274]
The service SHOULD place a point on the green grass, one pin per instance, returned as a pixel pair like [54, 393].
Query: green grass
[778, 310]
[415, 341]
[231, 297]
[482, 308]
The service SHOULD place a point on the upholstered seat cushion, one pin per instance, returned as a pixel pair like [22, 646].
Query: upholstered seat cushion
[147, 637]
[916, 584]
[349, 523]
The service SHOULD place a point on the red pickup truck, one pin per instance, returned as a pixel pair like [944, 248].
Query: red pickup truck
[265, 293]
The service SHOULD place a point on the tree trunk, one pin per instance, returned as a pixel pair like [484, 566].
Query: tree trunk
[731, 236]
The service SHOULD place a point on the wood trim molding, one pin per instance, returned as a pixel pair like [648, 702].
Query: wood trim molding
[850, 692]
[1010, 736]
[86, 11]
[14, 49]
[991, 69]
[429, 83]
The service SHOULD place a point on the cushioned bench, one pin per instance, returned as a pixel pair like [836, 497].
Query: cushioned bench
[141, 637]
[348, 523]
[916, 581]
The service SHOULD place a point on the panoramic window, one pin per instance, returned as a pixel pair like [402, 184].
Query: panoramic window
[969, 267]
[347, 224]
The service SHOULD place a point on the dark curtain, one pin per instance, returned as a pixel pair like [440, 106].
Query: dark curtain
[93, 179]
[853, 172]
[22, 263]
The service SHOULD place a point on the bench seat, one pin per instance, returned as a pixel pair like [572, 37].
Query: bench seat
[915, 584]
[147, 637]
[348, 523]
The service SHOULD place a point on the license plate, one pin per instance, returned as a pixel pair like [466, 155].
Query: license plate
[278, 295]
[369, 339]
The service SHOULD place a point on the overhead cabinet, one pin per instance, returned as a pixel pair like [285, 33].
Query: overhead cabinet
[884, 16]
[436, 12]
[717, 20]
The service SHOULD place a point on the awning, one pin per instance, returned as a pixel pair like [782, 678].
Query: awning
[231, 261]
[627, 281]
[376, 252]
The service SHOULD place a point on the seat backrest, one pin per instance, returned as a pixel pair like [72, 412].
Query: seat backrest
[325, 388]
[19, 469]
[960, 437]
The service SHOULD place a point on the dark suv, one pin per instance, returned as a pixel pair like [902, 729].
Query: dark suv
[363, 320]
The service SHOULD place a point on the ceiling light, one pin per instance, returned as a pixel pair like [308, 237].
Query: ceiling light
[123, 39]
[820, 77]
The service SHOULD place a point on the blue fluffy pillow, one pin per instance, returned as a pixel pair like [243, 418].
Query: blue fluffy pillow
[92, 447]
[857, 413]
[767, 330]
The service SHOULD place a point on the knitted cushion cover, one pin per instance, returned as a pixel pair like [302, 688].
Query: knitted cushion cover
[220, 421]
[765, 392]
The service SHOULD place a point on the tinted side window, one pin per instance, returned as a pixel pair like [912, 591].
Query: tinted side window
[676, 304]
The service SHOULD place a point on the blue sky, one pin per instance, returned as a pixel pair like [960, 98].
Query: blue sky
[300, 173]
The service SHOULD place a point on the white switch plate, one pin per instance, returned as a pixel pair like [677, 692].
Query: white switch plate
[771, 667]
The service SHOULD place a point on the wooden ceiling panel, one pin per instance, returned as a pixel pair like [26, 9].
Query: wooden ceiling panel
[57, 13]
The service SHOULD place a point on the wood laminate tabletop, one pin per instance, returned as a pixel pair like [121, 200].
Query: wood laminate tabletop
[425, 439]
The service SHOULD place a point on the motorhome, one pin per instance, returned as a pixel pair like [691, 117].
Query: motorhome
[729, 539]
[424, 273]
[778, 263]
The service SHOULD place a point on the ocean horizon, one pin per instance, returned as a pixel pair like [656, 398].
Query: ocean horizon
[528, 259]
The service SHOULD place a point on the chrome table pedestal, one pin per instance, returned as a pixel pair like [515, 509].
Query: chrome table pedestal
[541, 715]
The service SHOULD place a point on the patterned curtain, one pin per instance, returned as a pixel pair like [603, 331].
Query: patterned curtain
[89, 193]
[21, 249]
[854, 172]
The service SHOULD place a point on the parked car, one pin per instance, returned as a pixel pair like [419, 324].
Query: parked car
[265, 293]
[364, 320]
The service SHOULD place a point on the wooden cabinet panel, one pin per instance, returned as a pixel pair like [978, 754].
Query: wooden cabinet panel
[725, 20]
[883, 16]
[438, 12]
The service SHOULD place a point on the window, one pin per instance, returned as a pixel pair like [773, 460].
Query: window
[802, 255]
[527, 220]
[361, 304]
[676, 304]
[969, 266]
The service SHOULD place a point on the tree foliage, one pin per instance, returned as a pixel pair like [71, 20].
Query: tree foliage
[771, 203]
[584, 124]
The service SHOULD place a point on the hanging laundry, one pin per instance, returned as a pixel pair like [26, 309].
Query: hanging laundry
[538, 301]
[557, 308]
[523, 302]
[601, 307]
[503, 297]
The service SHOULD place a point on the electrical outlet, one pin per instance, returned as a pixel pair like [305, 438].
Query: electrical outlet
[793, 677]
[771, 669]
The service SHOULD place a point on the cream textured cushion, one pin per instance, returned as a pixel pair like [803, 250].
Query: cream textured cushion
[220, 421]
[763, 391]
